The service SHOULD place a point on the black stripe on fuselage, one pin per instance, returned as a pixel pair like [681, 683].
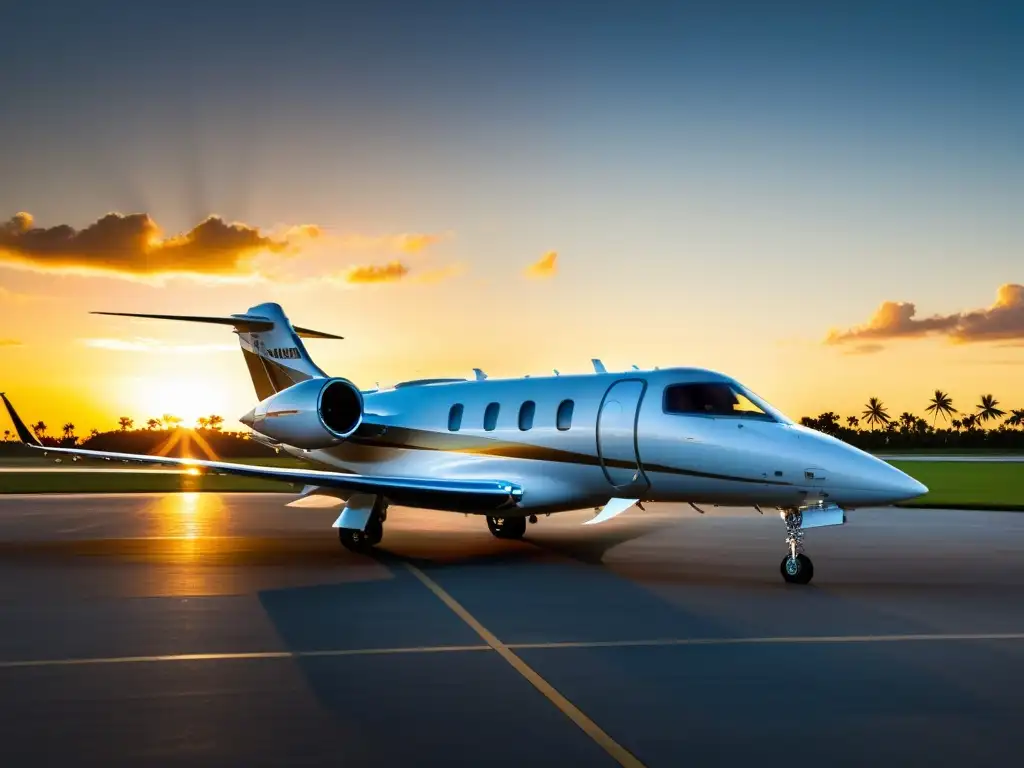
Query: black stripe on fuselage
[425, 440]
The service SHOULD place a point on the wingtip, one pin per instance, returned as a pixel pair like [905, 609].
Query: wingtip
[24, 433]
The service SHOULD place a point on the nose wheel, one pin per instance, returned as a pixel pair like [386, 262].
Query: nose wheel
[797, 570]
[796, 567]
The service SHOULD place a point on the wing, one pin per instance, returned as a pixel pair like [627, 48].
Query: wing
[429, 493]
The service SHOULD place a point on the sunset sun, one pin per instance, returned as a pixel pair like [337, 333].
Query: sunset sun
[187, 396]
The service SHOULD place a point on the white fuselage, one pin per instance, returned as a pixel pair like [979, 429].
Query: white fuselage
[624, 439]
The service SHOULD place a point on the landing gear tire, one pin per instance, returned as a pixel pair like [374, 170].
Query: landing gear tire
[798, 570]
[507, 527]
[354, 540]
[364, 541]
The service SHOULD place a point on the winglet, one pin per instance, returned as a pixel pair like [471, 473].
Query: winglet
[480, 375]
[599, 366]
[24, 433]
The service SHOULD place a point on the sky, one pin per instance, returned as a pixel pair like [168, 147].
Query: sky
[825, 203]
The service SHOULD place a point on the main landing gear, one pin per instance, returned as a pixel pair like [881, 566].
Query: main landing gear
[507, 527]
[796, 567]
[365, 540]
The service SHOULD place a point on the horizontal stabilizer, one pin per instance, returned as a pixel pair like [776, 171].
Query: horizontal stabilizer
[241, 323]
[613, 508]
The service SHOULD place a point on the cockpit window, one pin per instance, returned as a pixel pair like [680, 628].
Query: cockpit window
[715, 398]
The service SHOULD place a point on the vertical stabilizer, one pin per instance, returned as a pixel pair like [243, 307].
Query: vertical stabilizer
[276, 357]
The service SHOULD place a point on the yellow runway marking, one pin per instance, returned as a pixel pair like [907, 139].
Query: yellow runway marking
[484, 633]
[255, 656]
[782, 640]
[621, 755]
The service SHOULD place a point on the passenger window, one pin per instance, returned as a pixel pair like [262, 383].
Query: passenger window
[491, 416]
[455, 418]
[526, 413]
[564, 418]
[716, 398]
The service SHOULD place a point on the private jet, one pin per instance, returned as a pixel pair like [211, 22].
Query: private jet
[512, 449]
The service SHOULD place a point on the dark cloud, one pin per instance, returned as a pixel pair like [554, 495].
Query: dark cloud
[132, 245]
[1003, 321]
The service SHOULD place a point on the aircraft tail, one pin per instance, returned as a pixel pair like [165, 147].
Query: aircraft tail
[271, 345]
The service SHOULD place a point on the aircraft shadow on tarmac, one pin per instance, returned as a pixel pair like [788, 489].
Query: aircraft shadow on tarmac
[518, 590]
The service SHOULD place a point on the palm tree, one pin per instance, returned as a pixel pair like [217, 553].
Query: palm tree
[152, 423]
[125, 423]
[203, 422]
[7, 435]
[827, 422]
[69, 431]
[94, 432]
[907, 419]
[39, 428]
[969, 421]
[1016, 418]
[956, 424]
[941, 405]
[171, 420]
[988, 408]
[852, 422]
[875, 413]
[215, 421]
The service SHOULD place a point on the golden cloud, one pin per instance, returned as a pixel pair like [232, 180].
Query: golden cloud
[1003, 321]
[377, 273]
[133, 246]
[545, 267]
[9, 343]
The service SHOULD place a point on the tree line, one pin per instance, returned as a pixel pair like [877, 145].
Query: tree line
[985, 426]
[68, 437]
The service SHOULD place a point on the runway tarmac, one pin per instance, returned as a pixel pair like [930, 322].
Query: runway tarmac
[227, 629]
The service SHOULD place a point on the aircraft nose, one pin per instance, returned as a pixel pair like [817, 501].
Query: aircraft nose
[894, 484]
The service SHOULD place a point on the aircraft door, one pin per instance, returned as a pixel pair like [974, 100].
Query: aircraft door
[616, 437]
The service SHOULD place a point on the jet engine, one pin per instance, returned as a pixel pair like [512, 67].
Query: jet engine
[316, 413]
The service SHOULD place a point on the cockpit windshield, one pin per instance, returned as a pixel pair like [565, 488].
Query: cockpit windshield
[718, 398]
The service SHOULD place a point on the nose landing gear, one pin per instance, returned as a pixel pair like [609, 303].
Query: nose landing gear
[796, 567]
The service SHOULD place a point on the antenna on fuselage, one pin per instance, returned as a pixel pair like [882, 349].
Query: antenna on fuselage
[599, 366]
[557, 373]
[636, 367]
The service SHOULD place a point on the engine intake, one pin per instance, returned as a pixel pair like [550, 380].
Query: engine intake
[316, 413]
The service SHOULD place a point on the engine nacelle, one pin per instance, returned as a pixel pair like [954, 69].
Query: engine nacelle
[316, 413]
